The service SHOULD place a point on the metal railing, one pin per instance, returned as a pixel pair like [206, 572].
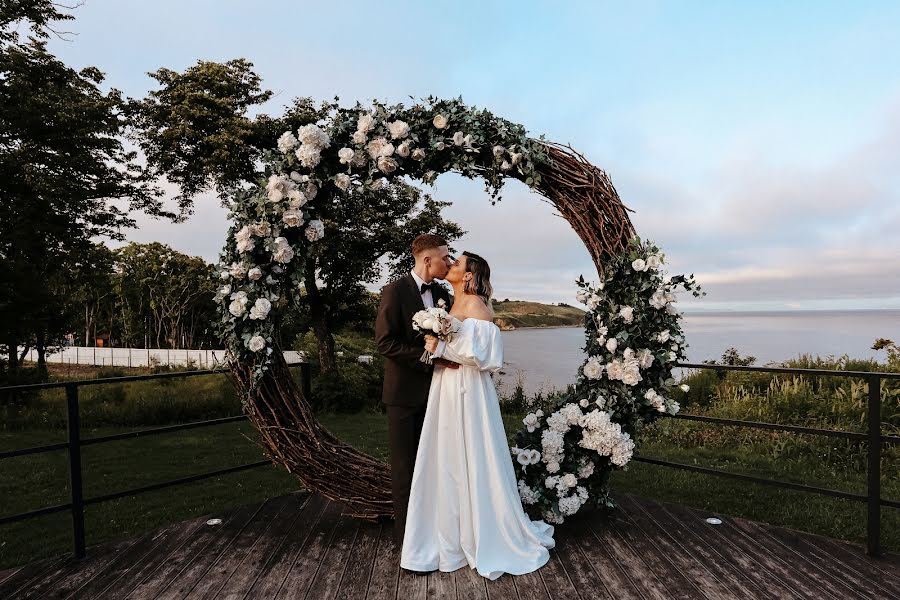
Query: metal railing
[872, 437]
[75, 442]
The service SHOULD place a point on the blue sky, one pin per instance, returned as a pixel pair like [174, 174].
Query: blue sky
[757, 143]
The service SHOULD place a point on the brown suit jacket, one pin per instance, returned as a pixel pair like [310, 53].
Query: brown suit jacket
[406, 379]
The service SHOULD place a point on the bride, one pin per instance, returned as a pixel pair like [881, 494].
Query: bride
[464, 506]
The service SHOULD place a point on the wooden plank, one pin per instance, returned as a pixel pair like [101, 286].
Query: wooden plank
[328, 576]
[197, 570]
[728, 574]
[502, 588]
[603, 563]
[219, 569]
[824, 574]
[360, 563]
[855, 555]
[126, 565]
[73, 574]
[31, 574]
[169, 541]
[644, 545]
[411, 586]
[681, 559]
[778, 571]
[530, 586]
[622, 554]
[303, 569]
[556, 580]
[275, 571]
[386, 566]
[7, 573]
[857, 575]
[578, 568]
[245, 575]
[441, 586]
[470, 585]
[204, 540]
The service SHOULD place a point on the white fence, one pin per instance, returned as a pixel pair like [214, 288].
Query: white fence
[141, 357]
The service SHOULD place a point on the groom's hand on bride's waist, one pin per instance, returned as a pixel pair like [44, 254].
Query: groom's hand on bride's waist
[446, 363]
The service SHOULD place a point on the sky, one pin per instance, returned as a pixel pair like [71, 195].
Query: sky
[757, 143]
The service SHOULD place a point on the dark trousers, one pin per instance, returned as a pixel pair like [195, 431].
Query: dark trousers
[404, 430]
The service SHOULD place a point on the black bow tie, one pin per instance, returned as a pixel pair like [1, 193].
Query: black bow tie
[433, 286]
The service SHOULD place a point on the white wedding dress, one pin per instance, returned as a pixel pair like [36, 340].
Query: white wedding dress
[464, 505]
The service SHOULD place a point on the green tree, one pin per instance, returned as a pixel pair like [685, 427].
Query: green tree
[65, 176]
[197, 131]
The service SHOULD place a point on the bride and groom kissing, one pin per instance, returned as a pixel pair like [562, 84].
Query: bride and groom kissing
[455, 494]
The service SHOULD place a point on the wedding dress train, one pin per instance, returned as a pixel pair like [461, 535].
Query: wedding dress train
[464, 505]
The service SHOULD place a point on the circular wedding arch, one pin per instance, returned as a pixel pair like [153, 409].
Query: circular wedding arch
[352, 149]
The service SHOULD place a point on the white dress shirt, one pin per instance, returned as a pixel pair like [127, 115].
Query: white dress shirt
[426, 297]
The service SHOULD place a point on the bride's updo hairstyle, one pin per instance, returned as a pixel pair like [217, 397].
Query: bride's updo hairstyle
[480, 284]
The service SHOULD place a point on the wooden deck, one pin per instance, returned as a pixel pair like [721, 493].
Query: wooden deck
[300, 546]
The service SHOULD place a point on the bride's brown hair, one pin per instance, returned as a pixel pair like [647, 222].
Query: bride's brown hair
[480, 284]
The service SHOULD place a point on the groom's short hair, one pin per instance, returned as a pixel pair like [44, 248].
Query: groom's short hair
[427, 241]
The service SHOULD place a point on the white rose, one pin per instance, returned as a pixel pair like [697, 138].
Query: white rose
[359, 137]
[237, 308]
[342, 181]
[379, 147]
[653, 261]
[593, 368]
[515, 157]
[238, 271]
[663, 336]
[627, 313]
[283, 251]
[254, 274]
[277, 188]
[257, 343]
[365, 123]
[260, 309]
[639, 264]
[583, 402]
[398, 129]
[612, 344]
[261, 229]
[418, 154]
[440, 146]
[296, 199]
[505, 166]
[315, 231]
[439, 121]
[346, 155]
[224, 275]
[570, 480]
[499, 151]
[225, 290]
[292, 218]
[386, 165]
[403, 150]
[552, 467]
[685, 387]
[458, 138]
[287, 142]
[297, 177]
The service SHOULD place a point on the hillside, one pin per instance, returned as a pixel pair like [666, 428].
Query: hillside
[513, 314]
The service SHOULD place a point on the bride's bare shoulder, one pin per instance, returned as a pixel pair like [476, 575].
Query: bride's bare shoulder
[480, 311]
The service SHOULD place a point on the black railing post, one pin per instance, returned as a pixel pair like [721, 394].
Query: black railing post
[74, 432]
[873, 522]
[306, 381]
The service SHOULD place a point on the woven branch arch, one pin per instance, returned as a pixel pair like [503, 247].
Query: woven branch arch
[328, 161]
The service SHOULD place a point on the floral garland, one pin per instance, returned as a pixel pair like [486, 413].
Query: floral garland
[351, 151]
[568, 447]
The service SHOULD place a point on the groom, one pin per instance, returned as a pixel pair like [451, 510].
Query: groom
[406, 379]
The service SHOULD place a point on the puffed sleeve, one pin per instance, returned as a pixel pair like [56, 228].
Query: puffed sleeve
[479, 345]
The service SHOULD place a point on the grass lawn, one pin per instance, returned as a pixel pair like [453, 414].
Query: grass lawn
[31, 482]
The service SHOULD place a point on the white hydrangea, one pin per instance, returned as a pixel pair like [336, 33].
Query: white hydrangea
[569, 505]
[552, 517]
[287, 142]
[552, 446]
[309, 156]
[606, 437]
[586, 470]
[572, 413]
[528, 495]
[558, 422]
[313, 136]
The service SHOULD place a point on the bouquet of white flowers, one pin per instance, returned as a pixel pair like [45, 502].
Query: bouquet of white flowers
[435, 321]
